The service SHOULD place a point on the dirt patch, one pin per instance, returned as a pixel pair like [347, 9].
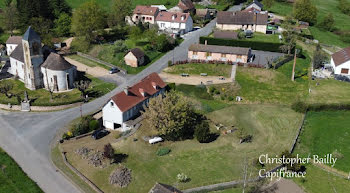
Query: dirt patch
[282, 186]
[192, 79]
[260, 75]
[94, 71]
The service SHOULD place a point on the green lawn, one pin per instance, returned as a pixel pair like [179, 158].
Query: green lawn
[324, 7]
[329, 92]
[12, 177]
[106, 4]
[41, 97]
[327, 132]
[260, 37]
[270, 86]
[317, 181]
[222, 159]
[197, 69]
[87, 62]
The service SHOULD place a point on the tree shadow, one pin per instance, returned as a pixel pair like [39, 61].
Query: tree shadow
[120, 157]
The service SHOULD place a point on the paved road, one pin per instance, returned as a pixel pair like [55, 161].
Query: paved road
[27, 136]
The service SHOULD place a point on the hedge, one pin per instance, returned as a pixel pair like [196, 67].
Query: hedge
[255, 45]
[302, 107]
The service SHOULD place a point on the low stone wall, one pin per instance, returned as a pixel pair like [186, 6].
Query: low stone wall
[39, 108]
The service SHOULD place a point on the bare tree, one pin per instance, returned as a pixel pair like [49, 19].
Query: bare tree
[108, 152]
[82, 86]
[5, 88]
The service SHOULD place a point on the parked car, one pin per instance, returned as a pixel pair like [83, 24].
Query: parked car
[114, 70]
[98, 134]
[155, 140]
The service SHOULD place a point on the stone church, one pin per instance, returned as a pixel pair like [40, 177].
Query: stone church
[29, 64]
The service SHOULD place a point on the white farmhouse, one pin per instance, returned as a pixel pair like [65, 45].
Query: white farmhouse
[255, 5]
[127, 104]
[174, 23]
[340, 62]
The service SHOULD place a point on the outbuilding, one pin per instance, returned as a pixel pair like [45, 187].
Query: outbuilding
[58, 74]
[135, 57]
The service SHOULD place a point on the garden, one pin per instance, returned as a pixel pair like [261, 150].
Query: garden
[165, 161]
[13, 178]
[12, 91]
[197, 68]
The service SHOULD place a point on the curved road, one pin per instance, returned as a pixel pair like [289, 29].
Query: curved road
[26, 136]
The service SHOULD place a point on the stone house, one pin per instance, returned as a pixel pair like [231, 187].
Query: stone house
[218, 53]
[145, 14]
[241, 20]
[135, 57]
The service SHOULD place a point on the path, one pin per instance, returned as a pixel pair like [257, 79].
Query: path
[282, 186]
[26, 137]
[98, 72]
[193, 79]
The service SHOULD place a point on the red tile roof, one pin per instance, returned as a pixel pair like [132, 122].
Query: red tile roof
[134, 97]
[146, 10]
[341, 57]
[168, 16]
[185, 5]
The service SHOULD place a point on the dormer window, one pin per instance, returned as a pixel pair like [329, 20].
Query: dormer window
[183, 17]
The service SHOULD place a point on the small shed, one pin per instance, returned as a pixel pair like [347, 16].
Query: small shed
[203, 14]
[135, 57]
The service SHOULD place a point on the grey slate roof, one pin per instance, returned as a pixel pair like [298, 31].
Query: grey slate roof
[163, 188]
[18, 53]
[14, 40]
[56, 62]
[219, 49]
[30, 34]
[241, 18]
[257, 3]
[138, 53]
[226, 34]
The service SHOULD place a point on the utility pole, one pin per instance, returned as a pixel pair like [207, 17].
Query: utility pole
[295, 61]
[245, 171]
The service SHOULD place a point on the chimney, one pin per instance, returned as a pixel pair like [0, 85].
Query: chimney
[154, 85]
[142, 91]
[205, 42]
[126, 90]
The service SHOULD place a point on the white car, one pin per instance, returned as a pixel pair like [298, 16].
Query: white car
[155, 140]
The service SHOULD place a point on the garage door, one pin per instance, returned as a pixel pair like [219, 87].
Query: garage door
[109, 125]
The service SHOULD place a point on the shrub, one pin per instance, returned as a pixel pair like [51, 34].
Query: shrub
[163, 151]
[65, 136]
[222, 97]
[217, 92]
[230, 98]
[255, 45]
[299, 107]
[171, 86]
[202, 132]
[93, 125]
[82, 127]
[80, 44]
[170, 63]
[212, 89]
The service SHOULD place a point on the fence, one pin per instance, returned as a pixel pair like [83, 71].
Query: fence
[282, 62]
[100, 61]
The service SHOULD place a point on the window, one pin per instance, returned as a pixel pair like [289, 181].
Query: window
[112, 104]
[239, 56]
[162, 25]
[195, 55]
[209, 55]
[223, 55]
[344, 71]
[51, 79]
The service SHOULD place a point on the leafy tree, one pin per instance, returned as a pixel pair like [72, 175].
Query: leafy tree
[120, 9]
[296, 167]
[119, 46]
[63, 25]
[80, 44]
[87, 19]
[327, 22]
[43, 26]
[172, 116]
[319, 57]
[135, 32]
[268, 3]
[82, 86]
[344, 6]
[202, 132]
[5, 88]
[304, 10]
[59, 7]
[10, 16]
[289, 38]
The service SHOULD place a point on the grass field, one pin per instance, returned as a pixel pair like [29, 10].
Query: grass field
[324, 7]
[327, 132]
[222, 159]
[270, 86]
[318, 180]
[41, 97]
[197, 69]
[87, 62]
[329, 91]
[260, 37]
[106, 4]
[12, 177]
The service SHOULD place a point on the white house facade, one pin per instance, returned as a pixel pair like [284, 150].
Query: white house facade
[255, 5]
[127, 104]
[340, 62]
[175, 23]
[12, 43]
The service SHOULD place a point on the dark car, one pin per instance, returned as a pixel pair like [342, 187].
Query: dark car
[98, 134]
[114, 70]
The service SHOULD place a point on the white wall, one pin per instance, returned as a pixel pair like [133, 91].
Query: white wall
[112, 113]
[61, 78]
[337, 69]
[10, 48]
[254, 6]
[188, 26]
[17, 67]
